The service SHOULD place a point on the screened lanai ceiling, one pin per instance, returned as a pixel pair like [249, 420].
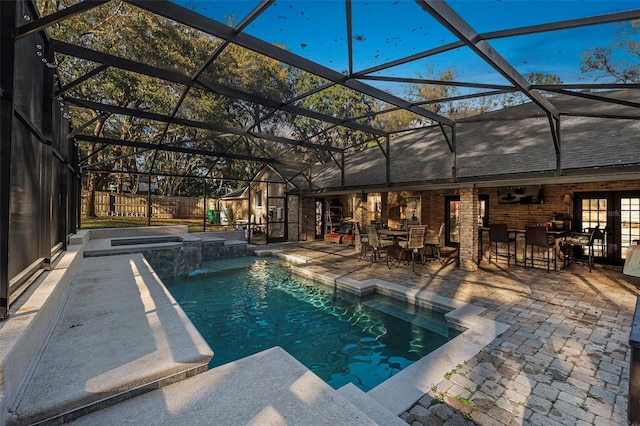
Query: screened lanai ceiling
[195, 88]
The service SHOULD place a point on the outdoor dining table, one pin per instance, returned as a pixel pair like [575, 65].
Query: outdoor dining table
[394, 251]
[395, 233]
[579, 241]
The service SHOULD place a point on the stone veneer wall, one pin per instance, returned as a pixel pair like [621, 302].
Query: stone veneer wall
[307, 207]
[212, 249]
[175, 261]
[468, 249]
[293, 217]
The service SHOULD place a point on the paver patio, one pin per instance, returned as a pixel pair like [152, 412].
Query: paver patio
[564, 360]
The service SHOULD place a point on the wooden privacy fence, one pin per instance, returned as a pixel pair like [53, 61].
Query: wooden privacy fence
[127, 205]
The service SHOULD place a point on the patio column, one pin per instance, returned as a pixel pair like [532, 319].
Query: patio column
[468, 248]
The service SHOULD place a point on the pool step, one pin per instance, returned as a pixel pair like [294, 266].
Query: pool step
[119, 334]
[377, 412]
[270, 387]
[437, 326]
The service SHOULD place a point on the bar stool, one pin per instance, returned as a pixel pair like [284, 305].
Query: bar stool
[536, 236]
[498, 233]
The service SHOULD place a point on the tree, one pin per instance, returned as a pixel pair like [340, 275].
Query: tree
[603, 62]
[122, 30]
[429, 96]
[258, 75]
[535, 78]
[435, 92]
[334, 101]
[434, 98]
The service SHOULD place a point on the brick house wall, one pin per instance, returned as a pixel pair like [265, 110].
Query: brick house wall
[517, 216]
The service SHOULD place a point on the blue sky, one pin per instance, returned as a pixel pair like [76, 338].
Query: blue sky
[389, 30]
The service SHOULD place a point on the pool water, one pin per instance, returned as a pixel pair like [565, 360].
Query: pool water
[340, 337]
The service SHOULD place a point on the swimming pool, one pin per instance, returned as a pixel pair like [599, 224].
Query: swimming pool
[254, 305]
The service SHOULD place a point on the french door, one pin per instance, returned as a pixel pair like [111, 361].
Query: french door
[452, 224]
[277, 212]
[617, 214]
[319, 222]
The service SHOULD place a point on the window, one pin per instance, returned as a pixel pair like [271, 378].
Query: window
[483, 212]
[259, 198]
[629, 223]
[594, 213]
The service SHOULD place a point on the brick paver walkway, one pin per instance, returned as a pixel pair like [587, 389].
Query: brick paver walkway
[563, 361]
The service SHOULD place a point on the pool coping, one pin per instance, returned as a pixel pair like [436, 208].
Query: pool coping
[401, 391]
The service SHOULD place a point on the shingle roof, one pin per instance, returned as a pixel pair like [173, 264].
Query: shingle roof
[237, 194]
[506, 142]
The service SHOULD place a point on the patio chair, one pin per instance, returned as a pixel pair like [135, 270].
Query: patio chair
[499, 235]
[595, 234]
[412, 248]
[536, 236]
[364, 242]
[406, 226]
[433, 242]
[409, 223]
[377, 245]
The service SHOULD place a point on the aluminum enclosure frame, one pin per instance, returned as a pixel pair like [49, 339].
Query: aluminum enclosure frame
[39, 175]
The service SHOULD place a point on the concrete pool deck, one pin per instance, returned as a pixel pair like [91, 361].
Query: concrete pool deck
[119, 333]
[564, 359]
[121, 341]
